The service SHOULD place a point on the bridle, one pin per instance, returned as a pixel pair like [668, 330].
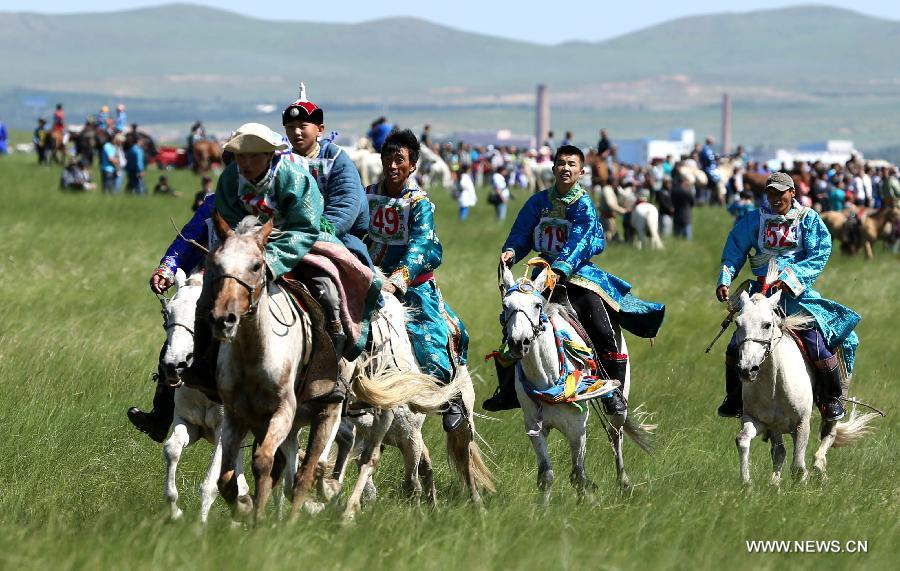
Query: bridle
[525, 286]
[251, 291]
[768, 343]
[167, 325]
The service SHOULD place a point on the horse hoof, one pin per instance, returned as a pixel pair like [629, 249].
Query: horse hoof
[175, 515]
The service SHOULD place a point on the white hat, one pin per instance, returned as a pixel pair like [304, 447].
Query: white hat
[255, 138]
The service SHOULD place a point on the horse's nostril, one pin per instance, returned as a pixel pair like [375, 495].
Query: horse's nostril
[231, 319]
[189, 358]
[181, 366]
[754, 368]
[526, 342]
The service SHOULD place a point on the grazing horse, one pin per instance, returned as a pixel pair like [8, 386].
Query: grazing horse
[195, 415]
[265, 346]
[865, 229]
[392, 350]
[778, 388]
[531, 327]
[645, 221]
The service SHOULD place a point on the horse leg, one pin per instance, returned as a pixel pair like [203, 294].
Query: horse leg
[183, 435]
[368, 460]
[869, 254]
[208, 489]
[280, 425]
[750, 430]
[411, 450]
[545, 467]
[778, 455]
[322, 431]
[426, 475]
[617, 441]
[821, 461]
[577, 437]
[801, 439]
[241, 504]
[288, 449]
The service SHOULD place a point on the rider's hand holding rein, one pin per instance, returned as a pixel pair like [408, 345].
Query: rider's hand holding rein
[159, 283]
[507, 257]
[722, 293]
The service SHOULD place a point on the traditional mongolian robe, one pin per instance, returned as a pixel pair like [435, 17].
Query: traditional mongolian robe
[402, 242]
[566, 232]
[800, 244]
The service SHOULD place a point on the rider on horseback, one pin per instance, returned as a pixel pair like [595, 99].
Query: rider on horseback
[561, 224]
[260, 181]
[403, 243]
[797, 239]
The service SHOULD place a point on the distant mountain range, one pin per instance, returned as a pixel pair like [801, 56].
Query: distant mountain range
[193, 56]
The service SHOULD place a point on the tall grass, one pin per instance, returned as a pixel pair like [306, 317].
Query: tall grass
[79, 488]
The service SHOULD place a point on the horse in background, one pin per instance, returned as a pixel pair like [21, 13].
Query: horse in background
[206, 153]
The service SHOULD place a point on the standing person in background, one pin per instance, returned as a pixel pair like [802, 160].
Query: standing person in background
[425, 137]
[666, 209]
[59, 119]
[567, 140]
[713, 193]
[379, 132]
[121, 118]
[87, 142]
[682, 203]
[118, 140]
[500, 192]
[205, 190]
[39, 139]
[550, 143]
[465, 193]
[109, 162]
[134, 165]
[742, 206]
[103, 118]
[4, 145]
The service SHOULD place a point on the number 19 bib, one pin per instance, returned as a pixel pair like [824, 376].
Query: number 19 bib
[388, 219]
[551, 235]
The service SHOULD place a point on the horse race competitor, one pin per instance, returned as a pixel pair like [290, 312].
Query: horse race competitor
[560, 223]
[404, 245]
[345, 199]
[796, 238]
[280, 182]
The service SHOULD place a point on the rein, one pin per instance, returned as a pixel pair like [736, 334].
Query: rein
[769, 343]
[251, 290]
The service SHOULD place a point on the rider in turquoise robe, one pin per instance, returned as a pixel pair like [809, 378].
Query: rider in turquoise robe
[402, 242]
[800, 244]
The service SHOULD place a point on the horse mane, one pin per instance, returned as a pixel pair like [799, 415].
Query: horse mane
[798, 320]
[248, 225]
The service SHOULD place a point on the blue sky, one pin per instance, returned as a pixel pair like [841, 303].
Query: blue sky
[524, 20]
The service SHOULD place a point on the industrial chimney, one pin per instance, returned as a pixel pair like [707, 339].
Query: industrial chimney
[542, 115]
[726, 124]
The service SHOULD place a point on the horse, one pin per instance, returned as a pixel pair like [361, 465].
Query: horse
[367, 161]
[392, 350]
[56, 146]
[206, 152]
[868, 226]
[529, 322]
[195, 415]
[645, 221]
[778, 388]
[431, 166]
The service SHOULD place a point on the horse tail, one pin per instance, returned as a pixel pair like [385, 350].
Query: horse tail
[384, 388]
[854, 429]
[467, 461]
[638, 428]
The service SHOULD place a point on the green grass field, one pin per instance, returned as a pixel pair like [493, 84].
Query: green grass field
[79, 488]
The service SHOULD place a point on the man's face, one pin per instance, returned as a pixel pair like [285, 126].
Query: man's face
[397, 166]
[253, 165]
[303, 135]
[780, 201]
[567, 169]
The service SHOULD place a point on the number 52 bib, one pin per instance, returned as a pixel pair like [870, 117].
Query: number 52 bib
[389, 219]
[779, 235]
[551, 235]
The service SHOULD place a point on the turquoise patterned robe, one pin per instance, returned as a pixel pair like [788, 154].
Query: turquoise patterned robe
[566, 231]
[800, 244]
[402, 242]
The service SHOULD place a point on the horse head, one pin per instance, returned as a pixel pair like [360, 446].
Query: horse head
[178, 352]
[237, 273]
[758, 325]
[523, 316]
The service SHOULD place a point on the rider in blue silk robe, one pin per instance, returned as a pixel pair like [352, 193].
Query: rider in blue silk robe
[800, 244]
[403, 244]
[564, 229]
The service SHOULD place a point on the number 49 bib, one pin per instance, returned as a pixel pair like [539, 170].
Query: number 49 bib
[388, 219]
[551, 235]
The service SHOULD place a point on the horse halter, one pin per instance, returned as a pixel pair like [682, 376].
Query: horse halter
[251, 291]
[767, 342]
[525, 286]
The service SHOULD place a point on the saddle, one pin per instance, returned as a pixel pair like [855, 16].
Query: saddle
[319, 376]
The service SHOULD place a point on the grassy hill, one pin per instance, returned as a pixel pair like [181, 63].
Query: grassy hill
[178, 61]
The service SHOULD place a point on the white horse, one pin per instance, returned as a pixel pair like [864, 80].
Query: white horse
[778, 389]
[392, 351]
[367, 161]
[645, 221]
[195, 415]
[432, 167]
[529, 322]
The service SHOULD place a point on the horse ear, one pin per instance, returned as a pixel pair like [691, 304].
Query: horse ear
[223, 230]
[745, 298]
[775, 298]
[541, 281]
[263, 235]
[506, 278]
[180, 278]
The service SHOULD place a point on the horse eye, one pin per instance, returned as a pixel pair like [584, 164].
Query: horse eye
[767, 325]
[256, 267]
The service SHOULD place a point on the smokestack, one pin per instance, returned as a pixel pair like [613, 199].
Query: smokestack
[542, 114]
[726, 124]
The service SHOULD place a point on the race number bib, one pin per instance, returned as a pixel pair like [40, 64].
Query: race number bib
[551, 235]
[778, 235]
[388, 219]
